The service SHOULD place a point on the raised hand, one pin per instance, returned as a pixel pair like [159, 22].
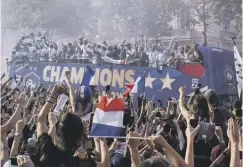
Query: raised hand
[182, 89]
[67, 77]
[22, 99]
[24, 161]
[114, 145]
[52, 119]
[233, 132]
[20, 126]
[67, 73]
[133, 143]
[191, 132]
[58, 89]
[219, 132]
[81, 153]
[157, 141]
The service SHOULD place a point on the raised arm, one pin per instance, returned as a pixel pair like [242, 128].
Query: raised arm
[105, 157]
[142, 115]
[133, 145]
[4, 153]
[190, 101]
[221, 157]
[171, 42]
[190, 133]
[147, 47]
[21, 101]
[30, 99]
[113, 147]
[52, 119]
[183, 109]
[233, 135]
[5, 83]
[181, 138]
[71, 91]
[211, 112]
[42, 116]
[169, 107]
[16, 142]
[176, 159]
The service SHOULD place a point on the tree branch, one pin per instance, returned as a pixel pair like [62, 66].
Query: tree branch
[212, 5]
[211, 23]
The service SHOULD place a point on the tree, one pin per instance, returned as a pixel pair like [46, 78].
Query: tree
[228, 11]
[143, 17]
[69, 17]
[158, 18]
[22, 14]
[207, 12]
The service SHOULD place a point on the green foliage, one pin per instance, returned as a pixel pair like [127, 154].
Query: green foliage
[227, 11]
[114, 17]
[22, 13]
[143, 17]
[221, 12]
[64, 16]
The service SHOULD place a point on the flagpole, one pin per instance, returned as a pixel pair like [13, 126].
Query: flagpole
[145, 84]
[118, 137]
[233, 40]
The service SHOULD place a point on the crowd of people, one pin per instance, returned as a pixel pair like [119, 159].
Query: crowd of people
[198, 133]
[38, 48]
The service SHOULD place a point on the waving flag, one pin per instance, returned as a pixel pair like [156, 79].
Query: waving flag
[238, 69]
[84, 93]
[88, 76]
[16, 79]
[108, 118]
[139, 85]
[128, 89]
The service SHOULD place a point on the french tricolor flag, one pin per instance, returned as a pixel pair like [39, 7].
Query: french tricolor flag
[108, 118]
[139, 85]
[128, 90]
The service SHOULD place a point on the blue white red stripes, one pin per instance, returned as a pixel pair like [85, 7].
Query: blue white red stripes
[139, 85]
[108, 118]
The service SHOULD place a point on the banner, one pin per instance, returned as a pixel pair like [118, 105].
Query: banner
[219, 75]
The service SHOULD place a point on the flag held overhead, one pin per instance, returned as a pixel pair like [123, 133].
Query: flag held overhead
[85, 91]
[108, 118]
[88, 78]
[139, 85]
[128, 89]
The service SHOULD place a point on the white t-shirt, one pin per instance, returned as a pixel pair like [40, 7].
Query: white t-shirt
[163, 57]
[85, 54]
[153, 57]
[52, 54]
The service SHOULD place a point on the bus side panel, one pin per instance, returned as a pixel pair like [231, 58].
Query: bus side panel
[223, 71]
[207, 79]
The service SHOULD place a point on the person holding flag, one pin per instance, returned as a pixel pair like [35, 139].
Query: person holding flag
[109, 114]
[137, 88]
[81, 100]
[83, 94]
[139, 85]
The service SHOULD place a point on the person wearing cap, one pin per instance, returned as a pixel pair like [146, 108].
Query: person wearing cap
[221, 114]
[83, 100]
